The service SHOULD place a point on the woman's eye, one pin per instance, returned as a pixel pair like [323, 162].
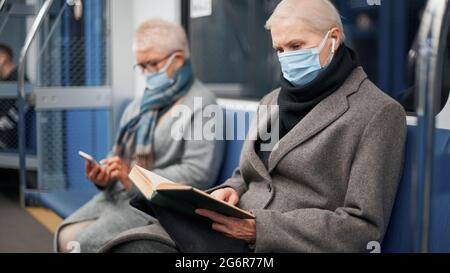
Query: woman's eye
[296, 47]
[280, 50]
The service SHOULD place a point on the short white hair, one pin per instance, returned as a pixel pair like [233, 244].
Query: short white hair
[163, 35]
[320, 15]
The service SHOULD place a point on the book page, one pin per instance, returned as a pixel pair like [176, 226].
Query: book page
[153, 178]
[141, 182]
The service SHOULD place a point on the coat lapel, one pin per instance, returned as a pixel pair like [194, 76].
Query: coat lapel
[260, 120]
[322, 116]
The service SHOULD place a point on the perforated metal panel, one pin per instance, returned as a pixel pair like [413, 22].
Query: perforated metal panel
[74, 53]
[51, 163]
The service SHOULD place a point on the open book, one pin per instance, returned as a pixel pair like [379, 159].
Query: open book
[179, 197]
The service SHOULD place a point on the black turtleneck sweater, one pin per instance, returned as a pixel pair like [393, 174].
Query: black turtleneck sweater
[296, 102]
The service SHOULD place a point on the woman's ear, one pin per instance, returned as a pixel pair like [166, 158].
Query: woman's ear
[336, 34]
[177, 63]
[179, 59]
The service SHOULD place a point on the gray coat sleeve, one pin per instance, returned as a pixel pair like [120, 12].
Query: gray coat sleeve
[236, 182]
[365, 212]
[200, 162]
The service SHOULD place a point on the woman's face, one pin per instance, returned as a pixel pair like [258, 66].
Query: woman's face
[154, 60]
[293, 35]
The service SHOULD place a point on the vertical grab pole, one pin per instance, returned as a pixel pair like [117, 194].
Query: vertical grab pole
[429, 83]
[21, 96]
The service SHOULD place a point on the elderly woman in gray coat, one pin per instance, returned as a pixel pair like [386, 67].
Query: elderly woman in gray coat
[145, 139]
[329, 183]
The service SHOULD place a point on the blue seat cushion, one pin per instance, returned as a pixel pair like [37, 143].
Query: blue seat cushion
[64, 203]
[233, 147]
[231, 160]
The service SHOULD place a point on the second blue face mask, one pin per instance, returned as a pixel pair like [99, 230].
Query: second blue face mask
[303, 66]
[159, 80]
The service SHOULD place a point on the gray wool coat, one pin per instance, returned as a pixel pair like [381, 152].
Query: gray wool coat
[331, 181]
[194, 162]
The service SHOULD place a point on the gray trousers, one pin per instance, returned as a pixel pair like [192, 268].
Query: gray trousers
[111, 214]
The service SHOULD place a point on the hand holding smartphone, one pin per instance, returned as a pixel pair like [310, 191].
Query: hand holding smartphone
[89, 158]
[94, 171]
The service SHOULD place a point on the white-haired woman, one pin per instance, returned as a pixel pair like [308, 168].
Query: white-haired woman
[330, 183]
[144, 138]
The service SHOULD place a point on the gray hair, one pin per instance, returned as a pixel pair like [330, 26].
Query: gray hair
[320, 15]
[163, 35]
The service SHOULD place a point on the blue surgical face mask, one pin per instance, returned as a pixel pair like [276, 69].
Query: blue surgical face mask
[159, 80]
[303, 66]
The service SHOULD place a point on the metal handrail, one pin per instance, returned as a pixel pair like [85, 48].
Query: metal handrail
[429, 81]
[8, 13]
[21, 101]
[2, 2]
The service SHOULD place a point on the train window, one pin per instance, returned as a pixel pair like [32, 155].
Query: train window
[409, 96]
[231, 50]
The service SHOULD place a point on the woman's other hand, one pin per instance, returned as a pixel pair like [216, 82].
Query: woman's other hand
[118, 169]
[228, 195]
[242, 229]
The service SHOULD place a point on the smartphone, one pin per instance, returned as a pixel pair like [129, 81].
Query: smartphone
[89, 158]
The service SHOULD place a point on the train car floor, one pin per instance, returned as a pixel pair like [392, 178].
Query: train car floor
[20, 231]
